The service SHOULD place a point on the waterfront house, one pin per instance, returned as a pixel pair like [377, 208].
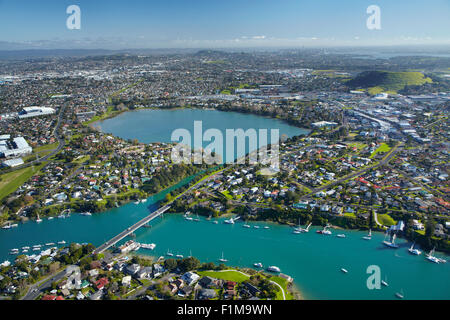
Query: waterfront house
[190, 278]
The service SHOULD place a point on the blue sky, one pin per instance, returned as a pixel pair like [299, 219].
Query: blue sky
[114, 24]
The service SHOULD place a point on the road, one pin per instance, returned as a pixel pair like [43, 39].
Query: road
[36, 289]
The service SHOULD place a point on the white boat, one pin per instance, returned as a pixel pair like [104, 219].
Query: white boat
[61, 242]
[38, 220]
[369, 236]
[36, 249]
[6, 227]
[391, 244]
[384, 282]
[341, 236]
[414, 251]
[216, 222]
[137, 202]
[400, 294]
[306, 230]
[256, 227]
[266, 227]
[86, 214]
[61, 216]
[223, 259]
[150, 246]
[324, 231]
[229, 221]
[50, 244]
[25, 248]
[197, 218]
[273, 269]
[25, 251]
[50, 218]
[344, 270]
[189, 218]
[258, 265]
[143, 200]
[432, 258]
[246, 226]
[179, 256]
[170, 254]
[15, 225]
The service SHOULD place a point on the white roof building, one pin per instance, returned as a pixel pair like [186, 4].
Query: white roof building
[15, 148]
[29, 112]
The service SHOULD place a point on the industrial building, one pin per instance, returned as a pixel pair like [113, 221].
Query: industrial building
[29, 112]
[16, 147]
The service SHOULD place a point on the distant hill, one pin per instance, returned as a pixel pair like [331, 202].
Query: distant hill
[385, 81]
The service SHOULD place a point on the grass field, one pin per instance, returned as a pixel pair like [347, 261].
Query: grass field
[42, 151]
[283, 283]
[11, 181]
[385, 81]
[226, 275]
[383, 148]
[386, 220]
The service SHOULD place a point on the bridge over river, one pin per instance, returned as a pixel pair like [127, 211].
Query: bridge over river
[131, 229]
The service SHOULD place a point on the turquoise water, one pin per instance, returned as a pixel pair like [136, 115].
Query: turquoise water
[313, 260]
[148, 125]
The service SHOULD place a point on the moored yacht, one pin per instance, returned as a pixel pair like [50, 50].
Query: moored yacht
[430, 257]
[391, 244]
[8, 226]
[400, 294]
[223, 259]
[384, 282]
[150, 246]
[324, 231]
[38, 220]
[414, 251]
[369, 236]
[273, 269]
[258, 265]
[341, 235]
[229, 221]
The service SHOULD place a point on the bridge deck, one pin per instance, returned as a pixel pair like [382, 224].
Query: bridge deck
[131, 229]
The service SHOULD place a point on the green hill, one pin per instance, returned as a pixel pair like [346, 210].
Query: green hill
[386, 81]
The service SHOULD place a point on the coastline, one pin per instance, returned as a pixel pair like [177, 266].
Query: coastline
[292, 288]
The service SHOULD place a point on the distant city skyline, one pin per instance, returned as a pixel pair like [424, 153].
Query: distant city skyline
[133, 24]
